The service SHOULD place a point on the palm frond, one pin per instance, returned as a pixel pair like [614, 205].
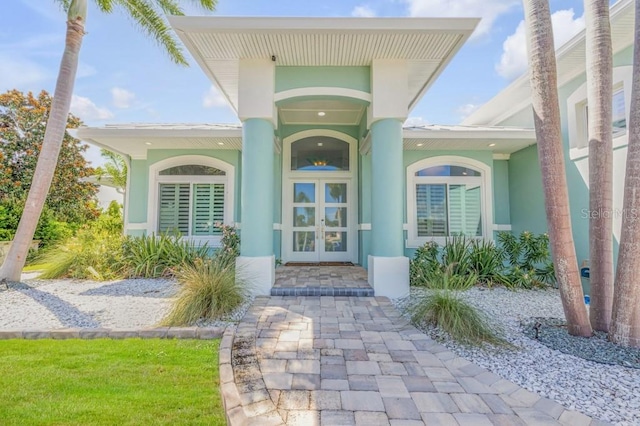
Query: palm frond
[151, 21]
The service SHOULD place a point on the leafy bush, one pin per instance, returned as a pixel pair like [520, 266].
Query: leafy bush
[529, 259]
[95, 252]
[455, 254]
[447, 279]
[92, 254]
[209, 289]
[153, 256]
[229, 244]
[424, 262]
[487, 262]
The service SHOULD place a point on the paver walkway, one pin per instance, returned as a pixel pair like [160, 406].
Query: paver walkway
[321, 281]
[354, 360]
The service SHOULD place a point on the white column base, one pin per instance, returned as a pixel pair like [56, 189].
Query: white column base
[389, 276]
[258, 272]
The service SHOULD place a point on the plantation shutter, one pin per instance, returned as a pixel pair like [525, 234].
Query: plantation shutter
[174, 208]
[473, 212]
[208, 208]
[456, 210]
[431, 205]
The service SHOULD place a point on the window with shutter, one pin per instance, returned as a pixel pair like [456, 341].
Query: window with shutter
[173, 212]
[446, 199]
[208, 208]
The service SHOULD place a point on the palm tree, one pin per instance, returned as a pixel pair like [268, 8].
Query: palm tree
[600, 93]
[148, 14]
[625, 321]
[546, 111]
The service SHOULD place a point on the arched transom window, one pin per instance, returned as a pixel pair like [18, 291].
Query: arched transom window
[446, 199]
[193, 197]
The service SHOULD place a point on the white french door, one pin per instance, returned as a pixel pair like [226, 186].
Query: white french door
[320, 227]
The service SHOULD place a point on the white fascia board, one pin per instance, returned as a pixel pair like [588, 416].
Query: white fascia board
[157, 133]
[443, 65]
[346, 25]
[486, 114]
[525, 134]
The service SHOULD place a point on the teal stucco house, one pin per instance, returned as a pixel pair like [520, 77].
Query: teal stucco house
[321, 168]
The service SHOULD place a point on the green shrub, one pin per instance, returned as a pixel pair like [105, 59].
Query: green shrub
[209, 290]
[487, 262]
[229, 245]
[455, 254]
[423, 263]
[446, 279]
[529, 259]
[153, 256]
[92, 254]
[463, 322]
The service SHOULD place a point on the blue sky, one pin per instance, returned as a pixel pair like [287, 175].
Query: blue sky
[124, 77]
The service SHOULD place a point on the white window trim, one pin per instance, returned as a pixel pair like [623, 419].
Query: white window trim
[577, 121]
[201, 160]
[413, 241]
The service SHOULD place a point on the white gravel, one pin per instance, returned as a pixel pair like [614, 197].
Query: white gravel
[605, 392]
[37, 304]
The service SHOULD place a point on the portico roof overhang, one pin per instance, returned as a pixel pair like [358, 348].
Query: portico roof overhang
[219, 43]
[135, 140]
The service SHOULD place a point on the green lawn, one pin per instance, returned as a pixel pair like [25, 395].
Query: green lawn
[110, 382]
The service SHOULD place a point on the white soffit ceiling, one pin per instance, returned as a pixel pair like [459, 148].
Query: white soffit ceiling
[218, 43]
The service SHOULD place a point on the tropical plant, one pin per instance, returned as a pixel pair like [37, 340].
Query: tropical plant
[209, 289]
[546, 113]
[455, 254]
[625, 320]
[444, 308]
[115, 170]
[229, 244]
[529, 259]
[148, 14]
[486, 260]
[599, 54]
[425, 261]
[153, 256]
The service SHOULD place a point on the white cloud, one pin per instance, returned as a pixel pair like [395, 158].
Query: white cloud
[488, 10]
[415, 122]
[122, 98]
[86, 110]
[363, 11]
[21, 73]
[514, 61]
[466, 110]
[213, 98]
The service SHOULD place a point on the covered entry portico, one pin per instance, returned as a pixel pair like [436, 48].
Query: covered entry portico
[311, 93]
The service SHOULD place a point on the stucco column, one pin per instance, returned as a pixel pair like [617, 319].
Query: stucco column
[257, 191]
[387, 237]
[256, 264]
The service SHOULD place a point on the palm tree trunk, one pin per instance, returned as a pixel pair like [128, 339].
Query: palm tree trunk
[625, 322]
[544, 98]
[600, 94]
[48, 158]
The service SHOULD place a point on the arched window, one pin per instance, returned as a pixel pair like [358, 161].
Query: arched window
[447, 196]
[320, 153]
[193, 196]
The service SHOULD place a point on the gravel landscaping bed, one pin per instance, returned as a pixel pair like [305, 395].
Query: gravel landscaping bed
[603, 391]
[50, 304]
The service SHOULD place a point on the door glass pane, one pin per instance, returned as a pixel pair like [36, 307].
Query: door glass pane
[465, 210]
[304, 216]
[304, 241]
[335, 241]
[335, 192]
[335, 217]
[304, 192]
[431, 210]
